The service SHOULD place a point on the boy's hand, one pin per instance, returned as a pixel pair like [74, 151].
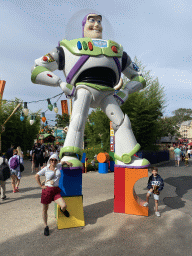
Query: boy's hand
[156, 190]
[151, 189]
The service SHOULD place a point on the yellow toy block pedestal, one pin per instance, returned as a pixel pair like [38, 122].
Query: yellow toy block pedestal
[75, 208]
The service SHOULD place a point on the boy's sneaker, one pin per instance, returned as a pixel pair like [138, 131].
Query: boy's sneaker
[146, 204]
[3, 198]
[46, 231]
[17, 190]
[158, 214]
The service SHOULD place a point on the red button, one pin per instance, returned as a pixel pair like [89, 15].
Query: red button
[114, 49]
[49, 75]
[90, 46]
[45, 58]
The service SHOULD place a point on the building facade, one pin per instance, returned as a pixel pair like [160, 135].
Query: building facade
[186, 130]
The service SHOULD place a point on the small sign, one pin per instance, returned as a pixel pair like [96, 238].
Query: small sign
[112, 139]
[112, 133]
[111, 125]
[112, 148]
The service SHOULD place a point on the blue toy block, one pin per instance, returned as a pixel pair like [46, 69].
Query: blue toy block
[112, 163]
[70, 182]
[83, 158]
[103, 168]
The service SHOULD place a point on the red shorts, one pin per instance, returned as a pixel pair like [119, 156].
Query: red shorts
[50, 194]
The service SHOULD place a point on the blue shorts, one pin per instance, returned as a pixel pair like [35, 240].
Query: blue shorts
[17, 173]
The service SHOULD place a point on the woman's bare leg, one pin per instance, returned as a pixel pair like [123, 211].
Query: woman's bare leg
[13, 178]
[44, 214]
[61, 203]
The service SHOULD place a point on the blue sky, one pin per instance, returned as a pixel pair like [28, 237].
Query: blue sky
[157, 32]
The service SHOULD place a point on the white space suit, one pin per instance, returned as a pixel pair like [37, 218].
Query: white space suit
[92, 67]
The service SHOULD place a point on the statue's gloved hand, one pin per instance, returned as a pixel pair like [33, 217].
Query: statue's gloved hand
[68, 89]
[121, 96]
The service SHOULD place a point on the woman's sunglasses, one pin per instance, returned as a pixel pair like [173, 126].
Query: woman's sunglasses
[55, 160]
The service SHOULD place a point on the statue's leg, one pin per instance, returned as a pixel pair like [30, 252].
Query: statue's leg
[73, 145]
[125, 143]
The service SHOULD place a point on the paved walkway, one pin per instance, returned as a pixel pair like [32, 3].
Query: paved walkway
[105, 233]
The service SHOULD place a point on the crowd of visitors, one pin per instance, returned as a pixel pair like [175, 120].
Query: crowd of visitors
[182, 153]
[44, 157]
[40, 154]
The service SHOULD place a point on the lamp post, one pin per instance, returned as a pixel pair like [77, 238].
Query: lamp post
[2, 86]
[56, 133]
[2, 126]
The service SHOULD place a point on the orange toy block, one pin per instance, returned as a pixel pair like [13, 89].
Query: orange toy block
[133, 204]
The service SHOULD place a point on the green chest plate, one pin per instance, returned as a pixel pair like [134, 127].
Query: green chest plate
[93, 47]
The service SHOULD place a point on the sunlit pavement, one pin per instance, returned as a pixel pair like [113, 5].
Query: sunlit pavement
[105, 233]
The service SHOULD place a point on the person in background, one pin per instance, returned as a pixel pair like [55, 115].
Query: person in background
[9, 153]
[14, 165]
[186, 160]
[38, 157]
[20, 152]
[2, 182]
[32, 159]
[46, 155]
[183, 155]
[177, 152]
[189, 152]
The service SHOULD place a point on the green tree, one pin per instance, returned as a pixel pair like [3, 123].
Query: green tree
[17, 132]
[62, 120]
[168, 127]
[97, 130]
[144, 109]
[182, 114]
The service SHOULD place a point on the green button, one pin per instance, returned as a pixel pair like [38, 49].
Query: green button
[85, 47]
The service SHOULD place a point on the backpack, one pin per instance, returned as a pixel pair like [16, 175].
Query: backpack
[4, 171]
[38, 154]
[14, 163]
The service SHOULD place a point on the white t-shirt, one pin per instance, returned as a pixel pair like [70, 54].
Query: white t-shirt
[51, 175]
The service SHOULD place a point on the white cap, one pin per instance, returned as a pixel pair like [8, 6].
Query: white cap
[53, 156]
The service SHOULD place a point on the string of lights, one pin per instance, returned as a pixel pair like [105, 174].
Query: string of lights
[25, 110]
[35, 101]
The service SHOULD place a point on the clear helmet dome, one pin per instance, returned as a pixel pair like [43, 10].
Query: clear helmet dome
[74, 28]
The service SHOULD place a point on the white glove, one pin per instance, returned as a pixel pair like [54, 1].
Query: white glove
[68, 89]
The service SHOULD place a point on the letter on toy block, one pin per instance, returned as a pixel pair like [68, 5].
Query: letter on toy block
[125, 198]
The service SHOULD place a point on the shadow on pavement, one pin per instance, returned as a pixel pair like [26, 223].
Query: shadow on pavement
[20, 197]
[115, 235]
[23, 190]
[182, 184]
[94, 211]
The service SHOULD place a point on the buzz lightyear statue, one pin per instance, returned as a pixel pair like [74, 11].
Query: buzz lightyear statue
[92, 67]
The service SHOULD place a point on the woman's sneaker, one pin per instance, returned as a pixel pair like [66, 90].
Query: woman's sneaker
[66, 213]
[146, 204]
[46, 231]
[158, 214]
